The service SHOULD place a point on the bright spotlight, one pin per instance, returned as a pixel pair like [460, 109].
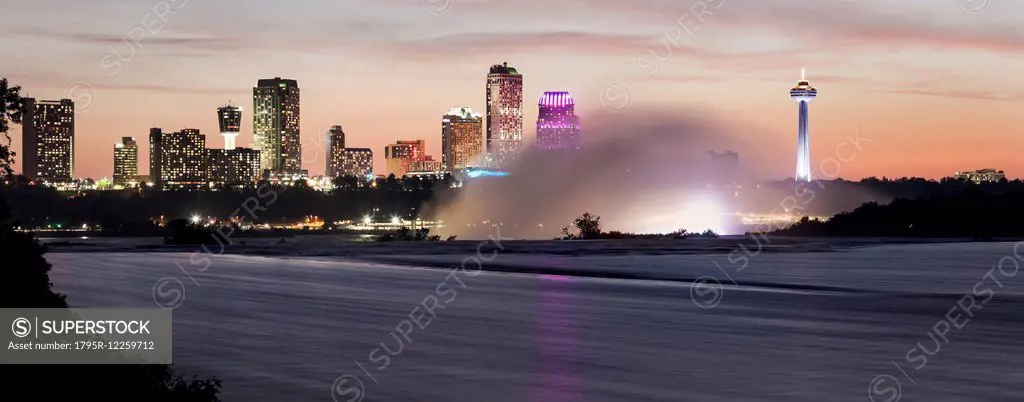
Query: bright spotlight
[702, 215]
[195, 218]
[395, 220]
[367, 220]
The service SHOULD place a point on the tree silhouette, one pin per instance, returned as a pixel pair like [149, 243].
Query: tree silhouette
[11, 105]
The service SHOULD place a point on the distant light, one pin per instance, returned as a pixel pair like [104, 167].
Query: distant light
[482, 173]
[395, 220]
[84, 226]
[367, 220]
[195, 218]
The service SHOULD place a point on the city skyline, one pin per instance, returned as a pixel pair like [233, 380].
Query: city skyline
[918, 98]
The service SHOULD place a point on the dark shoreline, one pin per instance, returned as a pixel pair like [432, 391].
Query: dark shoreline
[345, 246]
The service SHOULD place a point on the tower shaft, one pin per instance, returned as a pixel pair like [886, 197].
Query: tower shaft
[803, 150]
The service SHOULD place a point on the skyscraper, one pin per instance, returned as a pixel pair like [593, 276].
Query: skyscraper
[126, 161]
[461, 138]
[276, 125]
[229, 118]
[504, 115]
[48, 140]
[183, 160]
[558, 127]
[156, 157]
[803, 93]
[335, 151]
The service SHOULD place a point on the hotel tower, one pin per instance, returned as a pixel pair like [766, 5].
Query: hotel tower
[276, 125]
[504, 139]
[558, 127]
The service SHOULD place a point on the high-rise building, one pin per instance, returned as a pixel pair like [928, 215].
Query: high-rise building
[156, 157]
[504, 115]
[229, 117]
[48, 144]
[183, 160]
[400, 155]
[233, 167]
[558, 127]
[803, 93]
[356, 162]
[335, 151]
[276, 125]
[461, 138]
[126, 162]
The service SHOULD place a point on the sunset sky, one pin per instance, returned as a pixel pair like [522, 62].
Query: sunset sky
[935, 84]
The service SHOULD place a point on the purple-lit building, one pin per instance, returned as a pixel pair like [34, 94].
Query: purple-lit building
[558, 127]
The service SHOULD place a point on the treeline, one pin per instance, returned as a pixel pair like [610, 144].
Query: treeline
[826, 198]
[133, 209]
[972, 213]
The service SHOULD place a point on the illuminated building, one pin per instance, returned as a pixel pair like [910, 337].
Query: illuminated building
[156, 157]
[400, 155]
[425, 164]
[356, 162]
[276, 125]
[285, 179]
[335, 151]
[183, 160]
[48, 140]
[461, 138]
[981, 176]
[558, 127]
[229, 118]
[126, 162]
[803, 93]
[504, 115]
[232, 167]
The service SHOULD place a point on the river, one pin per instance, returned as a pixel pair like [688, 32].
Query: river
[814, 326]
